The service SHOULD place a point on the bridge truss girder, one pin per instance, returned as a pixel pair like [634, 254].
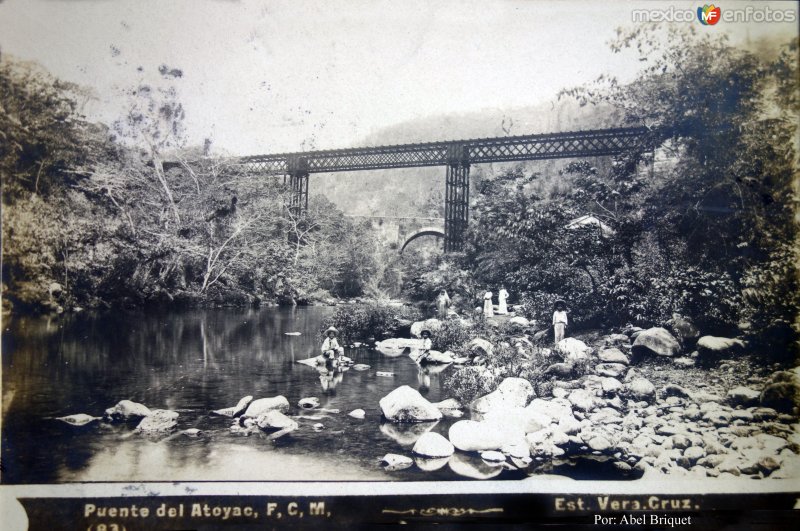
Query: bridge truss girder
[572, 144]
[457, 156]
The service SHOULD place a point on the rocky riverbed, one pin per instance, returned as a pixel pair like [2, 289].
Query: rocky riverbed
[638, 401]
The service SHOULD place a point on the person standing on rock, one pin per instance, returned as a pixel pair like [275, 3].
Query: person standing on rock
[502, 296]
[488, 310]
[330, 347]
[442, 304]
[559, 320]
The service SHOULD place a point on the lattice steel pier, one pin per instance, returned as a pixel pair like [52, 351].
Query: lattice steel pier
[457, 156]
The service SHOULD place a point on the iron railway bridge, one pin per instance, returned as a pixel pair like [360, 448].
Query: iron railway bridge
[456, 156]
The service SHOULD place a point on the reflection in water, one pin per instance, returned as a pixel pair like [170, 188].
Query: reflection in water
[406, 434]
[194, 362]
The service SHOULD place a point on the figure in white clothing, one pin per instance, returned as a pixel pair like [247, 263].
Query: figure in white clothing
[442, 304]
[488, 311]
[559, 320]
[427, 344]
[330, 347]
[502, 296]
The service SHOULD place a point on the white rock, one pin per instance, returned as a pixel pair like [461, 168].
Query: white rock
[405, 404]
[658, 341]
[275, 420]
[78, 419]
[309, 402]
[158, 421]
[126, 409]
[357, 414]
[512, 392]
[582, 399]
[431, 444]
[493, 456]
[573, 349]
[611, 385]
[613, 355]
[396, 346]
[640, 389]
[262, 405]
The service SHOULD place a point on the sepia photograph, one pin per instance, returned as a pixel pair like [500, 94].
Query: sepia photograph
[283, 263]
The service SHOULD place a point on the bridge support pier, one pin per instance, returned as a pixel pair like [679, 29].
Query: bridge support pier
[456, 199]
[297, 181]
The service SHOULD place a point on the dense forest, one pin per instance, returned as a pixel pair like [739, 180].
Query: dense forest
[700, 220]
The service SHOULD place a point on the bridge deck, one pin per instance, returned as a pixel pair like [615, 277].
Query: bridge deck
[588, 143]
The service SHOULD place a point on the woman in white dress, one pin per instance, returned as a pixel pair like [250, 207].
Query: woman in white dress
[502, 296]
[488, 311]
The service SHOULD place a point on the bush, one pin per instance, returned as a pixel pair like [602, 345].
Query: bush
[468, 383]
[370, 320]
[452, 336]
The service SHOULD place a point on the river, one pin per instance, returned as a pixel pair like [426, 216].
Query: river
[194, 362]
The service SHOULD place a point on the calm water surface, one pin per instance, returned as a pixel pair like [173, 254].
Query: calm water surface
[195, 362]
[198, 361]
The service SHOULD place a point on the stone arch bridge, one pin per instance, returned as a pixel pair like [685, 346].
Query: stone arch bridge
[401, 231]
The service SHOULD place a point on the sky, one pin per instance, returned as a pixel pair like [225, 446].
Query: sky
[274, 76]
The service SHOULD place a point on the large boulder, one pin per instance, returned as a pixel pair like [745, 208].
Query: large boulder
[158, 421]
[431, 444]
[656, 341]
[275, 420]
[782, 391]
[512, 392]
[125, 410]
[431, 325]
[396, 346]
[262, 405]
[475, 436]
[712, 348]
[573, 349]
[405, 404]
